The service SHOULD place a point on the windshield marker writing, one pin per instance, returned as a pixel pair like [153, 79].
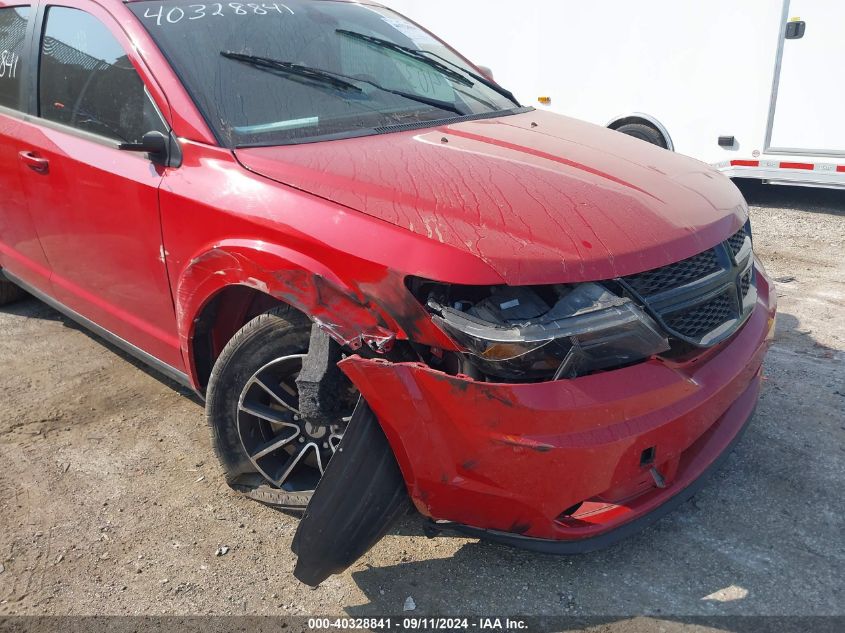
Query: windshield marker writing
[215, 9]
[9, 65]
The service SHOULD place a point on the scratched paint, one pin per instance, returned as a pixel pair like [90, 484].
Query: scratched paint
[563, 201]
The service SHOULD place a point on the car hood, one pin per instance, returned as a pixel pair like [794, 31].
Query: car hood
[539, 197]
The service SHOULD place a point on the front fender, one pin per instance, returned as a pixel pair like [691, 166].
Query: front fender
[289, 276]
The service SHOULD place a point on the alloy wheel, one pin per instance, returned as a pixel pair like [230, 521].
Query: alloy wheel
[287, 450]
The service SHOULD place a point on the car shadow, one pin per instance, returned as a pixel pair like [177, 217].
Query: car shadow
[726, 552]
[805, 199]
[32, 308]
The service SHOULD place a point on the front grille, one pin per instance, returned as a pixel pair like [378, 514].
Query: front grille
[746, 283]
[737, 242]
[704, 299]
[705, 317]
[674, 276]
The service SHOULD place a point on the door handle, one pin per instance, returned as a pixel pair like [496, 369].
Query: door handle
[35, 163]
[795, 29]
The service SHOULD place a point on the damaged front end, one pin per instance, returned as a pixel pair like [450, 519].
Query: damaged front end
[502, 335]
[556, 418]
[543, 333]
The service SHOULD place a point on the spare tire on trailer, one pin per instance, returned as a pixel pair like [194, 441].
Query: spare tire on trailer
[645, 133]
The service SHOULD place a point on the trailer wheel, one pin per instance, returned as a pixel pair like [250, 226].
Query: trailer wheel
[645, 133]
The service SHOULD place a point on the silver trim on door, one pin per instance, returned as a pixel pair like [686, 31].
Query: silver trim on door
[148, 359]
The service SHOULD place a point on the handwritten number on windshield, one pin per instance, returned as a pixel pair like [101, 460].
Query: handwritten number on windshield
[216, 9]
[9, 65]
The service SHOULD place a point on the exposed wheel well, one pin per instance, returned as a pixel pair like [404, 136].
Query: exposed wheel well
[221, 318]
[639, 119]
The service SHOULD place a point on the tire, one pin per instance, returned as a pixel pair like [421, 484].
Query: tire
[255, 374]
[645, 133]
[9, 293]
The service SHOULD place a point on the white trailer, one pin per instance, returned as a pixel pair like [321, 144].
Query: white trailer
[754, 87]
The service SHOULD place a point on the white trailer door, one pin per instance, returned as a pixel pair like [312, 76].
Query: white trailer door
[807, 115]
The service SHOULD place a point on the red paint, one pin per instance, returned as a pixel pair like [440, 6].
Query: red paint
[334, 229]
[841, 169]
[745, 163]
[537, 450]
[537, 193]
[807, 166]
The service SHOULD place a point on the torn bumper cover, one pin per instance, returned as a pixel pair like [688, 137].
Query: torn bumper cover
[566, 465]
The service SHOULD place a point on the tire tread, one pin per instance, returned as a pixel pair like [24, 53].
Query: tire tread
[275, 325]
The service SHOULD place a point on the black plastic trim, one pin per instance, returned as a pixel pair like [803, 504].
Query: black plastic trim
[419, 125]
[361, 495]
[665, 304]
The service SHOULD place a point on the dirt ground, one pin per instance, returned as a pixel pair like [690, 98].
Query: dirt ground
[111, 501]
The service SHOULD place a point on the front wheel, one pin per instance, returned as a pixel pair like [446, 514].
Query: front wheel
[268, 450]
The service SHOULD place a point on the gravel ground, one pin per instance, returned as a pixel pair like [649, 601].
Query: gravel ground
[112, 504]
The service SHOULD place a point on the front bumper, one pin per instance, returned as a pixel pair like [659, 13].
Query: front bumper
[571, 465]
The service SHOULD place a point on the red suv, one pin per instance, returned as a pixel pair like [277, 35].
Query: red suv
[358, 247]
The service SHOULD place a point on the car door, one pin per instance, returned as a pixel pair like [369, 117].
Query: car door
[95, 206]
[21, 254]
[807, 102]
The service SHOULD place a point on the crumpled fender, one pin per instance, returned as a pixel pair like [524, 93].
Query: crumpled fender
[296, 279]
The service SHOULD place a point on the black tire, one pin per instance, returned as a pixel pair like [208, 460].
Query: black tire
[9, 292]
[645, 133]
[281, 332]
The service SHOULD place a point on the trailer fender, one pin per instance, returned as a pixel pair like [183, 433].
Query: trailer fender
[640, 117]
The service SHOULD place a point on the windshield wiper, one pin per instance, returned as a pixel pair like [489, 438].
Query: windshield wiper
[337, 80]
[409, 52]
[480, 78]
[435, 103]
[427, 58]
[312, 74]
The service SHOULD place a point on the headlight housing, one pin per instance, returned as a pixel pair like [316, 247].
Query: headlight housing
[547, 333]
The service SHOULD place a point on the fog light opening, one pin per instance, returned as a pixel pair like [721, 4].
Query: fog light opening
[569, 512]
[648, 456]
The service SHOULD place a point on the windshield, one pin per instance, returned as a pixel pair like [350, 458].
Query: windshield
[306, 70]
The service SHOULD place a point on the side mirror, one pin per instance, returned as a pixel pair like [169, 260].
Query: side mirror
[487, 72]
[155, 144]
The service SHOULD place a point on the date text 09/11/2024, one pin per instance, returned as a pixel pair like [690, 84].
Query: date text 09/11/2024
[419, 624]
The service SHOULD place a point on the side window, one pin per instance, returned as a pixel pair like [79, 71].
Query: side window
[87, 81]
[13, 22]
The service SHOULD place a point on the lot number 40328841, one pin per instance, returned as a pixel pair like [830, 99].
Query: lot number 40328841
[174, 15]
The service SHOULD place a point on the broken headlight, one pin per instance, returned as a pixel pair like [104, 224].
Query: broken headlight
[546, 333]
